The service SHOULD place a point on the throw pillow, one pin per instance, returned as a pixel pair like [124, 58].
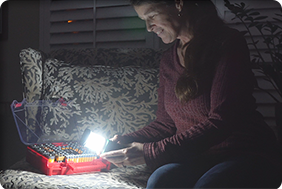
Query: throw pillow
[105, 99]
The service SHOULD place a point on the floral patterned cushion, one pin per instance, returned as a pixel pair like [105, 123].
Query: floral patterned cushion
[31, 65]
[115, 57]
[22, 175]
[108, 95]
[105, 99]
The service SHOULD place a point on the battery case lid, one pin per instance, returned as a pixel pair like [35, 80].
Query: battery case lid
[45, 121]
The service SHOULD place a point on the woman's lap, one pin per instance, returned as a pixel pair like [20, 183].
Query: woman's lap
[237, 172]
[241, 172]
[172, 175]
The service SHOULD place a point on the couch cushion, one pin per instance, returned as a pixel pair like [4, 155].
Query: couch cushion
[105, 99]
[22, 175]
[115, 57]
[31, 66]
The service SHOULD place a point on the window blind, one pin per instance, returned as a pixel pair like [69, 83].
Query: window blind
[92, 23]
[265, 8]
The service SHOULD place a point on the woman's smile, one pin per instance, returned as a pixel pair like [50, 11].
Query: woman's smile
[159, 32]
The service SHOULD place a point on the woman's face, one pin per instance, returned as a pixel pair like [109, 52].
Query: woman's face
[161, 19]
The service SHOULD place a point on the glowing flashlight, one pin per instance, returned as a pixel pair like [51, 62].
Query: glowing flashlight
[98, 143]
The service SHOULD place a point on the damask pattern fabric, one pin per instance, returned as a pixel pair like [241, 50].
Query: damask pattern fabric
[114, 57]
[23, 176]
[111, 99]
[105, 99]
[31, 65]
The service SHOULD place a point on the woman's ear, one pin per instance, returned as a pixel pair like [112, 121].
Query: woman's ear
[179, 5]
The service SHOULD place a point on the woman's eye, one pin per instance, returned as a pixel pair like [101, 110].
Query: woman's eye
[153, 16]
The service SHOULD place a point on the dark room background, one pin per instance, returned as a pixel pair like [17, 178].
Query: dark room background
[22, 31]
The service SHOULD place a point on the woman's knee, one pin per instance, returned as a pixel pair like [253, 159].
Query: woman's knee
[242, 172]
[168, 176]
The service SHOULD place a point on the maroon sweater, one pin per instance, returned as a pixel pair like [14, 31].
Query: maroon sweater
[221, 122]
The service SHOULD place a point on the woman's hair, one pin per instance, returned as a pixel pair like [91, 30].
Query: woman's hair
[203, 50]
[141, 2]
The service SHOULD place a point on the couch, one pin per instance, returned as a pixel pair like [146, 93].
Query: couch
[112, 91]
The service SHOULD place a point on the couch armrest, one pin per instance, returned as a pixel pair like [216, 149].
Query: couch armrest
[31, 64]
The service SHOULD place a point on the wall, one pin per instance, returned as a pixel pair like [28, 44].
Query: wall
[22, 31]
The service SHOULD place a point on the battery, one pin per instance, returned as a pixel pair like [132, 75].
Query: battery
[64, 158]
[47, 149]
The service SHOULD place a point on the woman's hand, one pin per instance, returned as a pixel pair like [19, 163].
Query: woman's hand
[130, 156]
[119, 139]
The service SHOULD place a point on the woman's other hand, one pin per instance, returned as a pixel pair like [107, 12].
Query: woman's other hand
[119, 139]
[130, 156]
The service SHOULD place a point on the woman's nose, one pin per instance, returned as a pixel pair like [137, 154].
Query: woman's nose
[149, 26]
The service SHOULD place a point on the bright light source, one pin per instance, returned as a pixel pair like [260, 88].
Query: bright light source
[95, 142]
[98, 143]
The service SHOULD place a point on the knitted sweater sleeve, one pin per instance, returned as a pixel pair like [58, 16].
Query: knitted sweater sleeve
[230, 90]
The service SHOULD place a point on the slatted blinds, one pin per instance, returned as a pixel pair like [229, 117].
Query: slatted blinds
[265, 8]
[92, 23]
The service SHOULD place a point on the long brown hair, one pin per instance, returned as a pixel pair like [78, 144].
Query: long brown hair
[203, 50]
[141, 2]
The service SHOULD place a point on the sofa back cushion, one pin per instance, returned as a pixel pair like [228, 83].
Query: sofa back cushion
[107, 99]
[115, 57]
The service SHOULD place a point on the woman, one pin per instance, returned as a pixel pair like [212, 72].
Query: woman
[207, 132]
